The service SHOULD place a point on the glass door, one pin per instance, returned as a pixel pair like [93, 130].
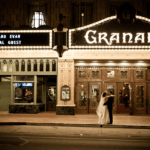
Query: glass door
[140, 98]
[82, 102]
[94, 96]
[124, 98]
[87, 97]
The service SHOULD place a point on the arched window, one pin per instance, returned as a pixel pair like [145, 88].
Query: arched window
[4, 65]
[38, 20]
[53, 65]
[35, 65]
[29, 65]
[23, 65]
[17, 65]
[10, 65]
[41, 65]
[47, 65]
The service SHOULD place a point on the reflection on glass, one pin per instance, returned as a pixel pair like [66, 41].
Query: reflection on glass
[111, 88]
[110, 74]
[52, 93]
[23, 92]
[124, 95]
[24, 78]
[94, 96]
[65, 93]
[82, 96]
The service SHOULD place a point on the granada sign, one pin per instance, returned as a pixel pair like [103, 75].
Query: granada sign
[92, 38]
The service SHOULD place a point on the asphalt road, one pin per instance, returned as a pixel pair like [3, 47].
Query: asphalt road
[72, 138]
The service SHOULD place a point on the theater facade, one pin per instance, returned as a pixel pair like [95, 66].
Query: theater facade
[111, 54]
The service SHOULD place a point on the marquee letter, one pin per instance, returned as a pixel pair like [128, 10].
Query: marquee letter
[102, 36]
[137, 38]
[130, 37]
[87, 37]
[112, 38]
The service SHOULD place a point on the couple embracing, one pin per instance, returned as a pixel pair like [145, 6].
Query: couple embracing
[104, 109]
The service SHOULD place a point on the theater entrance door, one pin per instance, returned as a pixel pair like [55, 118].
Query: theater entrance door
[87, 97]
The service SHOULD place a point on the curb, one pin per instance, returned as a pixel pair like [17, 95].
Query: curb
[76, 125]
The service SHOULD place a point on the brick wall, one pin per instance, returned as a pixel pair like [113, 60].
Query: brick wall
[13, 14]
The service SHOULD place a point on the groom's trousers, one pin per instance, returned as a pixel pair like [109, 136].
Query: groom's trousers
[110, 114]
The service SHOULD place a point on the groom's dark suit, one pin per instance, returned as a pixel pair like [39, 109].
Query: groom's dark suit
[109, 104]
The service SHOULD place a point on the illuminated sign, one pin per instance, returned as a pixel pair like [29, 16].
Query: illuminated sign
[24, 39]
[102, 36]
[109, 34]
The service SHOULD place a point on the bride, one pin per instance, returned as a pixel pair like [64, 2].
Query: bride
[102, 110]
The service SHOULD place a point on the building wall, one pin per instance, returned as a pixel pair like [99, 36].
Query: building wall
[17, 13]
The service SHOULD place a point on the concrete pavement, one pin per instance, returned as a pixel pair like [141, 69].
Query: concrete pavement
[89, 120]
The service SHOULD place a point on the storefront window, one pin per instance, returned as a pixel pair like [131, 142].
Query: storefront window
[53, 65]
[35, 65]
[41, 65]
[29, 65]
[23, 78]
[5, 66]
[23, 65]
[17, 65]
[23, 92]
[47, 65]
[10, 65]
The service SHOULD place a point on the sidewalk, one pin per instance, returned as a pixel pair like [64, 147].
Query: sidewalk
[51, 119]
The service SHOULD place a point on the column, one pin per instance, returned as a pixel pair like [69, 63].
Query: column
[65, 77]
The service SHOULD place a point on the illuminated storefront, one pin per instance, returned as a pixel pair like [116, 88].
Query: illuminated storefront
[107, 55]
[28, 71]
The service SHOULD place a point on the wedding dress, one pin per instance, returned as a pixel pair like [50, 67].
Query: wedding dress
[102, 112]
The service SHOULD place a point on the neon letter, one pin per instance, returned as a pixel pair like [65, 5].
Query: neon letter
[87, 37]
[102, 36]
[130, 37]
[137, 38]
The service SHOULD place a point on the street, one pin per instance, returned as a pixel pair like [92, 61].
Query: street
[72, 138]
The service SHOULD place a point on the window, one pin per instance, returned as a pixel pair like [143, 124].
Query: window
[17, 65]
[82, 13]
[23, 65]
[10, 65]
[4, 65]
[38, 20]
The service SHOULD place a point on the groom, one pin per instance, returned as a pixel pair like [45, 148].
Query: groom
[109, 104]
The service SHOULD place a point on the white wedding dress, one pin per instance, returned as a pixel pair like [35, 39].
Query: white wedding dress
[102, 112]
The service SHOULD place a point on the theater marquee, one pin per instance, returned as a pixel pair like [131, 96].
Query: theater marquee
[22, 39]
[108, 33]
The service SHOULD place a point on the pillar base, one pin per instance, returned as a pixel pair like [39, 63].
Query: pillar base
[65, 110]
